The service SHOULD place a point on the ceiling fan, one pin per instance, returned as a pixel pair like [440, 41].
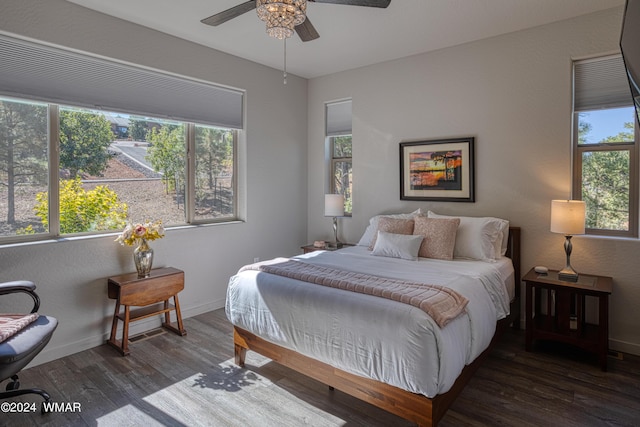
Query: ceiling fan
[305, 30]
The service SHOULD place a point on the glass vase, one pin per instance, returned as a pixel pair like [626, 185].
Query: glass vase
[143, 258]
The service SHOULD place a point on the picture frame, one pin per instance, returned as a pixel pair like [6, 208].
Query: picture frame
[438, 170]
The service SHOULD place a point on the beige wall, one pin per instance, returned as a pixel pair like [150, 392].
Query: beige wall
[513, 94]
[71, 274]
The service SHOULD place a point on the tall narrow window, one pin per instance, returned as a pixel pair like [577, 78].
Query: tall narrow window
[342, 169]
[24, 167]
[338, 131]
[605, 147]
[214, 178]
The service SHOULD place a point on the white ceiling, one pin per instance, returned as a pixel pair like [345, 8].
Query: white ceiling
[350, 36]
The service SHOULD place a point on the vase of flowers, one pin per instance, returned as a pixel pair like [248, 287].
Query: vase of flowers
[143, 258]
[140, 234]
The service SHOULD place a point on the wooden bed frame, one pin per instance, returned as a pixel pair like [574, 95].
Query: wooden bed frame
[414, 407]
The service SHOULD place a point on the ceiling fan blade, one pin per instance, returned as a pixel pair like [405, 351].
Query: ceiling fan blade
[224, 16]
[368, 3]
[306, 31]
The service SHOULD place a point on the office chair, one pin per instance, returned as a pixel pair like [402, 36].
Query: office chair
[18, 350]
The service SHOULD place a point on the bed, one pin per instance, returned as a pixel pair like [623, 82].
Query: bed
[382, 350]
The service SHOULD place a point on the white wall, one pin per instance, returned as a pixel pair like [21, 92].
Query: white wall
[71, 274]
[513, 94]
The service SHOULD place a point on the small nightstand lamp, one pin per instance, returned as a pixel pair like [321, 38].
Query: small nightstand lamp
[567, 217]
[334, 206]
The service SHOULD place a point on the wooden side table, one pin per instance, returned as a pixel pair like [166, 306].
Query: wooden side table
[556, 323]
[153, 293]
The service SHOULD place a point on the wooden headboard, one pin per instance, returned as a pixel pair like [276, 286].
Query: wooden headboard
[513, 252]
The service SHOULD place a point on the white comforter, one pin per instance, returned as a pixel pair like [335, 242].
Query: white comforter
[373, 337]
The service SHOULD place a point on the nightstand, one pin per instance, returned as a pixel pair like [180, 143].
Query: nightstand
[553, 319]
[310, 248]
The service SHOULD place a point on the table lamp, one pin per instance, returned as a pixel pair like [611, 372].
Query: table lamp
[334, 207]
[567, 217]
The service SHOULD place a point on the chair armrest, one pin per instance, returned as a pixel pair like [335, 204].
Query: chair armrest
[24, 286]
[16, 286]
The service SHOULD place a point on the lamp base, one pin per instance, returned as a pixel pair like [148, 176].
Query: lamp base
[568, 275]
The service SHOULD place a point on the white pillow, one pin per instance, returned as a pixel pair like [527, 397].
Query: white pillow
[481, 238]
[405, 246]
[501, 249]
[372, 228]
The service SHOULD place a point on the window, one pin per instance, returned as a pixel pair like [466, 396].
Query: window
[24, 168]
[79, 168]
[605, 147]
[215, 173]
[105, 177]
[342, 169]
[338, 132]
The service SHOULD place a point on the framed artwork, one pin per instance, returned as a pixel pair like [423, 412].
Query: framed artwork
[438, 170]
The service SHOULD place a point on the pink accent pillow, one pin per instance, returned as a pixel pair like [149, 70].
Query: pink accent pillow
[392, 225]
[439, 236]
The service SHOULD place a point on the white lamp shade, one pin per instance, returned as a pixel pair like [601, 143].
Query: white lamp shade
[568, 216]
[333, 205]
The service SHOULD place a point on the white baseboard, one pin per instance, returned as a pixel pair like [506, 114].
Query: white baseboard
[55, 352]
[624, 347]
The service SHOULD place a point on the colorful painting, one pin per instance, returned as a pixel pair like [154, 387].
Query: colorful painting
[437, 170]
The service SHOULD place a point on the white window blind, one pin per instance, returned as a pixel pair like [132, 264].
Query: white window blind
[338, 118]
[600, 83]
[35, 71]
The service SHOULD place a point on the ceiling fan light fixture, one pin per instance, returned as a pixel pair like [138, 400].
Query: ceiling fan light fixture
[281, 16]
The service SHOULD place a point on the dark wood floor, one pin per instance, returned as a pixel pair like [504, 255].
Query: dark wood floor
[192, 381]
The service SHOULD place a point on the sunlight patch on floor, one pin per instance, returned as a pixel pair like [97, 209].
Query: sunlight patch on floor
[224, 395]
[128, 416]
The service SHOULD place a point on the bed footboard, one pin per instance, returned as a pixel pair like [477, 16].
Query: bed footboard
[411, 406]
[423, 411]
